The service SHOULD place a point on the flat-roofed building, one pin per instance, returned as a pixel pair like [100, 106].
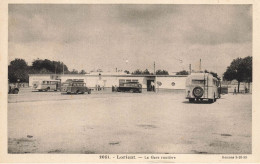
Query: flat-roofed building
[106, 80]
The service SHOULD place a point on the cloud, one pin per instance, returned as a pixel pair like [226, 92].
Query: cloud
[88, 36]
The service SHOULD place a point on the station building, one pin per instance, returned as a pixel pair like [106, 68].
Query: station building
[107, 80]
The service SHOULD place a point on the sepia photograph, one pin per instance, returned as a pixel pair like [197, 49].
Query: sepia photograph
[122, 80]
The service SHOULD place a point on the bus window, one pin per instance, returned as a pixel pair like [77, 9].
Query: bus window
[198, 81]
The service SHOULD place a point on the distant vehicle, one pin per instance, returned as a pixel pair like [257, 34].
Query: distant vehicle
[200, 86]
[47, 85]
[13, 88]
[130, 87]
[75, 86]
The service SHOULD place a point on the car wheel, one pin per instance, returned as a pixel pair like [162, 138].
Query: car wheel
[16, 91]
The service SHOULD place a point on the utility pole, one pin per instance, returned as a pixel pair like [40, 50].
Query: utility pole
[63, 67]
[190, 68]
[154, 68]
[200, 65]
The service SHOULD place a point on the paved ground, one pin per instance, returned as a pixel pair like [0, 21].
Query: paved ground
[40, 122]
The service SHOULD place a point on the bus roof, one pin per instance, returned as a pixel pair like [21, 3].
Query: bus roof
[200, 75]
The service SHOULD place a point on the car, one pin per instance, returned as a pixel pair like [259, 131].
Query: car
[75, 86]
[13, 88]
[130, 87]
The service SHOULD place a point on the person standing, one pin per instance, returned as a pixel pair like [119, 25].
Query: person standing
[235, 91]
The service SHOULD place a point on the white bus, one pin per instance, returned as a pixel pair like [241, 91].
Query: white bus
[200, 86]
[47, 85]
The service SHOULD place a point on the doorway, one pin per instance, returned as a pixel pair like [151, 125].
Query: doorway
[150, 85]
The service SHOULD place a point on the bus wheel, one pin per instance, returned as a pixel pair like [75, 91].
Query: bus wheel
[77, 92]
[214, 98]
[89, 92]
[47, 89]
[191, 100]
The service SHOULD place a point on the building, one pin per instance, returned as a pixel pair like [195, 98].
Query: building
[172, 82]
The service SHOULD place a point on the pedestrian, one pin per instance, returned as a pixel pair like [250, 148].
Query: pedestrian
[113, 88]
[235, 91]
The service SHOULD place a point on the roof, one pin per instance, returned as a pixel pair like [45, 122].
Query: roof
[107, 75]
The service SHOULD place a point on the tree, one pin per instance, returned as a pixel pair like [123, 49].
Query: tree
[74, 71]
[247, 71]
[82, 72]
[18, 69]
[127, 72]
[49, 66]
[183, 72]
[137, 72]
[240, 70]
[146, 72]
[161, 72]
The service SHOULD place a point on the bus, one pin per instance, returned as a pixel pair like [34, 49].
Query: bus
[201, 86]
[130, 87]
[47, 85]
[75, 86]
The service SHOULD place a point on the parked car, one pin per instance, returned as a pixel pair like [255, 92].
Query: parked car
[130, 87]
[13, 88]
[75, 86]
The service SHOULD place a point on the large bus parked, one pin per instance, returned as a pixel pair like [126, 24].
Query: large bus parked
[200, 86]
[47, 85]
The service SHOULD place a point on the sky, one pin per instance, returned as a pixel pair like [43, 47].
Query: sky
[130, 37]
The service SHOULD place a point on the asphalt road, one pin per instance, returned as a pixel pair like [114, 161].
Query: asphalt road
[50, 122]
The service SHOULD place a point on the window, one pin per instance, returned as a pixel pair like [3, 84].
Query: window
[198, 81]
[134, 80]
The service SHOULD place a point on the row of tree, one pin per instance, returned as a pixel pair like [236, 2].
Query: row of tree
[18, 69]
[146, 72]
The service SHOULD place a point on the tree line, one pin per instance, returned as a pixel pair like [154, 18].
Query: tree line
[146, 72]
[18, 69]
